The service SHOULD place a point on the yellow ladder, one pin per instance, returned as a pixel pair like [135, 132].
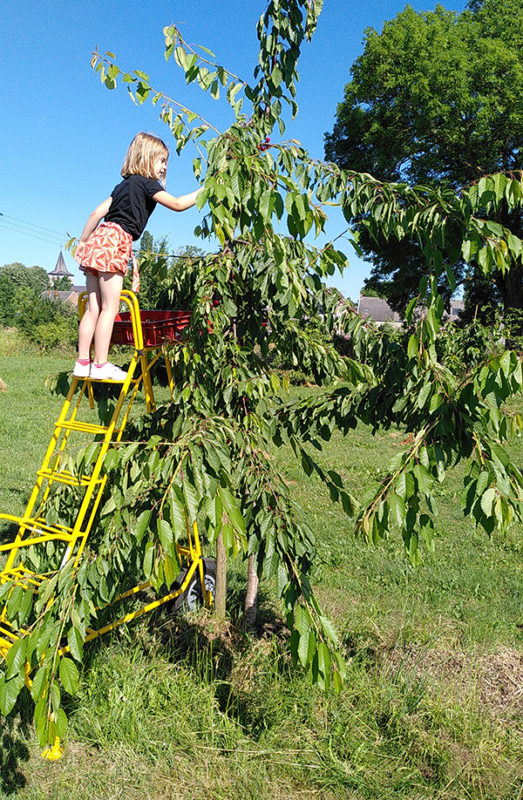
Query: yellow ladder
[69, 539]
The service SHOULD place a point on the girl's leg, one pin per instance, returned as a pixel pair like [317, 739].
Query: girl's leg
[90, 317]
[110, 285]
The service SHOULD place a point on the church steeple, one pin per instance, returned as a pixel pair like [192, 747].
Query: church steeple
[60, 270]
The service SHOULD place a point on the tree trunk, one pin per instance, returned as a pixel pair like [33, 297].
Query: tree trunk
[511, 284]
[251, 598]
[220, 602]
[512, 289]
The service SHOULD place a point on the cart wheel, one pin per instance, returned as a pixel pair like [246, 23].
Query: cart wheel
[192, 598]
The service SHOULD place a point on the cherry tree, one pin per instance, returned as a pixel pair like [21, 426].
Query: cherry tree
[206, 455]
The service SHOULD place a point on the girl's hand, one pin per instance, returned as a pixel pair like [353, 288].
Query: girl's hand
[181, 203]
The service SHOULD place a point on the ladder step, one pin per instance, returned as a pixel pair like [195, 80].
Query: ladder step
[67, 478]
[84, 427]
[8, 636]
[6, 629]
[39, 525]
[39, 531]
[23, 575]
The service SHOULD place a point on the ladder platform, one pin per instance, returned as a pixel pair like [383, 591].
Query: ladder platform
[104, 380]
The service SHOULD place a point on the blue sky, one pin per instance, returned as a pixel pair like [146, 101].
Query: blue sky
[64, 135]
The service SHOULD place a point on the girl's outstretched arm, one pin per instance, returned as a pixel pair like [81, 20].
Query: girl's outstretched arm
[97, 215]
[176, 203]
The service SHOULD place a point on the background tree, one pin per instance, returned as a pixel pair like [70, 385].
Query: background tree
[63, 283]
[45, 321]
[435, 99]
[166, 277]
[19, 285]
[34, 277]
[398, 267]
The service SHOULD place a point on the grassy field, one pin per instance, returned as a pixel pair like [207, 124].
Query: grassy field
[174, 709]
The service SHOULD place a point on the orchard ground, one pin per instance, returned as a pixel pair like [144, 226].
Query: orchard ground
[176, 708]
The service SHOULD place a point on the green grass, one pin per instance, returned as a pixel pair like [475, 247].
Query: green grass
[179, 709]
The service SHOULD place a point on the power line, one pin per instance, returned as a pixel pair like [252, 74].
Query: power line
[32, 225]
[50, 239]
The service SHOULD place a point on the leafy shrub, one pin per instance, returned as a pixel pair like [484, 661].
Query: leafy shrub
[463, 347]
[513, 329]
[49, 335]
[48, 323]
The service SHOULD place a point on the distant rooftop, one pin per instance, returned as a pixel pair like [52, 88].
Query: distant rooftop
[377, 309]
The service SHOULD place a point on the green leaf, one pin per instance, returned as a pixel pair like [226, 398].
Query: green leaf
[16, 658]
[180, 57]
[329, 630]
[69, 675]
[424, 395]
[232, 509]
[487, 499]
[165, 534]
[9, 691]
[306, 648]
[413, 346]
[110, 461]
[301, 620]
[410, 310]
[60, 721]
[324, 664]
[39, 684]
[276, 76]
[171, 569]
[15, 598]
[451, 277]
[177, 510]
[142, 524]
[76, 644]
[191, 500]
[148, 559]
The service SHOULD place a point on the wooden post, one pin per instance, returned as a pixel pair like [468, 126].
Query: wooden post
[220, 602]
[251, 597]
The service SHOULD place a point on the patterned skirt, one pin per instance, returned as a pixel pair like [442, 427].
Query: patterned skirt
[108, 249]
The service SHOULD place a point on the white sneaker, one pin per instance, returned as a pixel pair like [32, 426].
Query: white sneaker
[81, 370]
[108, 372]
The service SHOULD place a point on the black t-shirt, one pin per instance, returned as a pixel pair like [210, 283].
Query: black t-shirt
[133, 203]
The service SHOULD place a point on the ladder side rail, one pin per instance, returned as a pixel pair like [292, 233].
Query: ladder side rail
[96, 484]
[132, 302]
[39, 482]
[101, 456]
[42, 477]
[130, 299]
[170, 378]
[109, 438]
[61, 436]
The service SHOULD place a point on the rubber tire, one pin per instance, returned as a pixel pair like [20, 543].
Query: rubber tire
[192, 598]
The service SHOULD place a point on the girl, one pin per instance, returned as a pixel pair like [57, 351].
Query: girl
[105, 248]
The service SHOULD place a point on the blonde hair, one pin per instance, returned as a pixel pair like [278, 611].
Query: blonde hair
[143, 151]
